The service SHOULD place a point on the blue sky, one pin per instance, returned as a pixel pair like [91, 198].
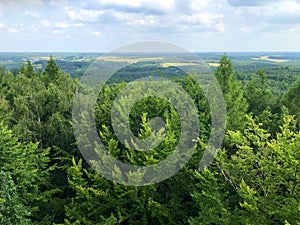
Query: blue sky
[197, 25]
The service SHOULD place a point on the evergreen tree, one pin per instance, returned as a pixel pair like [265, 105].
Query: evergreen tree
[291, 99]
[51, 72]
[27, 165]
[236, 104]
[264, 173]
[258, 96]
[213, 206]
[12, 210]
[40, 111]
[29, 72]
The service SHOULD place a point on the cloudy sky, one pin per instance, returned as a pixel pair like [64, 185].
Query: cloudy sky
[102, 25]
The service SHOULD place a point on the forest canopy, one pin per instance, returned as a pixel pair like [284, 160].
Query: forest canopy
[255, 178]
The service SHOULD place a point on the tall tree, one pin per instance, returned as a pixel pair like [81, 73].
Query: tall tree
[29, 71]
[41, 112]
[236, 104]
[27, 165]
[51, 71]
[291, 99]
[12, 210]
[258, 96]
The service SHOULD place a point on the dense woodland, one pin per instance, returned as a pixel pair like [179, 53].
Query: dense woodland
[255, 178]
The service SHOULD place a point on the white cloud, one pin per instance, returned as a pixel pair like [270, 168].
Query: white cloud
[64, 25]
[220, 27]
[239, 3]
[34, 28]
[244, 24]
[132, 19]
[202, 5]
[172, 21]
[97, 33]
[13, 30]
[56, 32]
[131, 3]
[274, 17]
[59, 3]
[287, 11]
[84, 15]
[246, 29]
[138, 6]
[207, 19]
[46, 23]
[32, 14]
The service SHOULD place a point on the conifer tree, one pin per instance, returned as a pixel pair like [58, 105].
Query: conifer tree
[29, 71]
[51, 71]
[236, 105]
[258, 96]
[27, 166]
[12, 210]
[264, 173]
[291, 99]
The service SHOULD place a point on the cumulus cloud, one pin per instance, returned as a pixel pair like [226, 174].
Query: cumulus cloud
[267, 17]
[249, 2]
[45, 23]
[55, 32]
[63, 25]
[97, 33]
[136, 6]
[84, 15]
[183, 21]
[59, 3]
[13, 30]
[287, 11]
[200, 19]
[133, 19]
[32, 14]
[169, 16]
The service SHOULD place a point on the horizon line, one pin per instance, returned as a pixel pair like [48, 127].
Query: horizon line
[197, 51]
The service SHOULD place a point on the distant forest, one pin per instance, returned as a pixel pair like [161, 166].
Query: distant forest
[255, 178]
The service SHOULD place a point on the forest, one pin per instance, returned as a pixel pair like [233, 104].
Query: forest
[254, 179]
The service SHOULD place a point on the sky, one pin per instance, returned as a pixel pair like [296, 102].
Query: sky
[103, 25]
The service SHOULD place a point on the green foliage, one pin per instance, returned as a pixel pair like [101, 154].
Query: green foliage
[26, 164]
[264, 171]
[162, 203]
[5, 113]
[44, 180]
[291, 99]
[258, 96]
[12, 210]
[236, 104]
[51, 71]
[213, 206]
[39, 110]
